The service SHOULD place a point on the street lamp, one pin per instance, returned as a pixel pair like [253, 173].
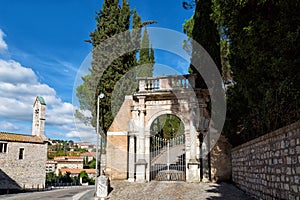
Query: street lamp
[101, 96]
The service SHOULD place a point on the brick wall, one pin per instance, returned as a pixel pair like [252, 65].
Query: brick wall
[269, 167]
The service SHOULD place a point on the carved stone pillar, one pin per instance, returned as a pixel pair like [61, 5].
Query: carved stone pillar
[141, 163]
[147, 154]
[131, 157]
[193, 163]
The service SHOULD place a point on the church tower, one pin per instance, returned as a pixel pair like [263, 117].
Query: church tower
[38, 121]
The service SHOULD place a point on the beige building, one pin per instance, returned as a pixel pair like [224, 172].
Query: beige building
[85, 145]
[70, 162]
[88, 156]
[23, 157]
[75, 172]
[51, 166]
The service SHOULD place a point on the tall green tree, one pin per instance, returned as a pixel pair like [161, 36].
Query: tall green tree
[146, 58]
[112, 19]
[119, 77]
[264, 45]
[203, 29]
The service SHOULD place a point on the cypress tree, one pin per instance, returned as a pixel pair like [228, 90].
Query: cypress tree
[146, 57]
[202, 29]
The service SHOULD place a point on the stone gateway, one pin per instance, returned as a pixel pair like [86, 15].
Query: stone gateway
[130, 151]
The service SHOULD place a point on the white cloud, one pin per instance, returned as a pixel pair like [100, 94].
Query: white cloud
[61, 114]
[19, 87]
[8, 126]
[3, 44]
[83, 132]
[12, 72]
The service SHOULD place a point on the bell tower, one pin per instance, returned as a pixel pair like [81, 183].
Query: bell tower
[38, 121]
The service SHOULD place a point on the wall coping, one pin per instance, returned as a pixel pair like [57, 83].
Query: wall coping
[277, 132]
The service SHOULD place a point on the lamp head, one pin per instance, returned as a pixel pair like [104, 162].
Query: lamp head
[101, 96]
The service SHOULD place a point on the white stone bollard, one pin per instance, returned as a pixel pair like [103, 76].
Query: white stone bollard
[102, 187]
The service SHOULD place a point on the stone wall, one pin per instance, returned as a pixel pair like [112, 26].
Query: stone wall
[269, 167]
[26, 173]
[221, 160]
[117, 143]
[117, 156]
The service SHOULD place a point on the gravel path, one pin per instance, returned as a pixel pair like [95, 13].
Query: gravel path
[122, 190]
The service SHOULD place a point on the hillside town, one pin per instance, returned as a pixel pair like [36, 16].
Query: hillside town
[35, 162]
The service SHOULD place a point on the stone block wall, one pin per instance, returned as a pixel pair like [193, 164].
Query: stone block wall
[28, 173]
[268, 167]
[221, 160]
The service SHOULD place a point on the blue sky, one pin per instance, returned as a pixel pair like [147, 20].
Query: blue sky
[42, 48]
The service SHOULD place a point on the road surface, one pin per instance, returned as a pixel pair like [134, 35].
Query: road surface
[74, 193]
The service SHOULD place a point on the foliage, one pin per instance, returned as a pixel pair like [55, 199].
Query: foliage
[167, 126]
[146, 57]
[259, 55]
[202, 29]
[50, 178]
[84, 176]
[119, 77]
[264, 45]
[90, 165]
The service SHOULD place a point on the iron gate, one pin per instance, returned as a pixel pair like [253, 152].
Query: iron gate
[167, 159]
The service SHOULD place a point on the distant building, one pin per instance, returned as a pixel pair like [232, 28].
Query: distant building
[85, 145]
[23, 157]
[75, 172]
[51, 166]
[88, 156]
[68, 162]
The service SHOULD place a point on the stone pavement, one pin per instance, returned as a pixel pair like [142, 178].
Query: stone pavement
[122, 190]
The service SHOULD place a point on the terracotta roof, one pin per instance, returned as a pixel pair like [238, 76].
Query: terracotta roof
[67, 158]
[12, 137]
[90, 154]
[77, 171]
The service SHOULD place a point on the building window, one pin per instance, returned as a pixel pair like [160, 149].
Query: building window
[3, 147]
[21, 154]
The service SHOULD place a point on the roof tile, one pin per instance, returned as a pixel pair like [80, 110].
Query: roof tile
[13, 137]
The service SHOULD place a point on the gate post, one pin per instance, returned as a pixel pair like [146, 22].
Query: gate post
[147, 154]
[131, 157]
[193, 174]
[141, 163]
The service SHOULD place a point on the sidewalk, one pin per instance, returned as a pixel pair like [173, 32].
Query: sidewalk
[160, 190]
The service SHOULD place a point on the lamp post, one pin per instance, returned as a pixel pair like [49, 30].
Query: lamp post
[101, 96]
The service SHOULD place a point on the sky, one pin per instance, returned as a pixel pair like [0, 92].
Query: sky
[43, 53]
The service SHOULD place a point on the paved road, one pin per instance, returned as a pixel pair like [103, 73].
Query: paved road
[59, 194]
[155, 190]
[172, 191]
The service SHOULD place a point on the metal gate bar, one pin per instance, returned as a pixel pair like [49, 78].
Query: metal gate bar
[167, 158]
